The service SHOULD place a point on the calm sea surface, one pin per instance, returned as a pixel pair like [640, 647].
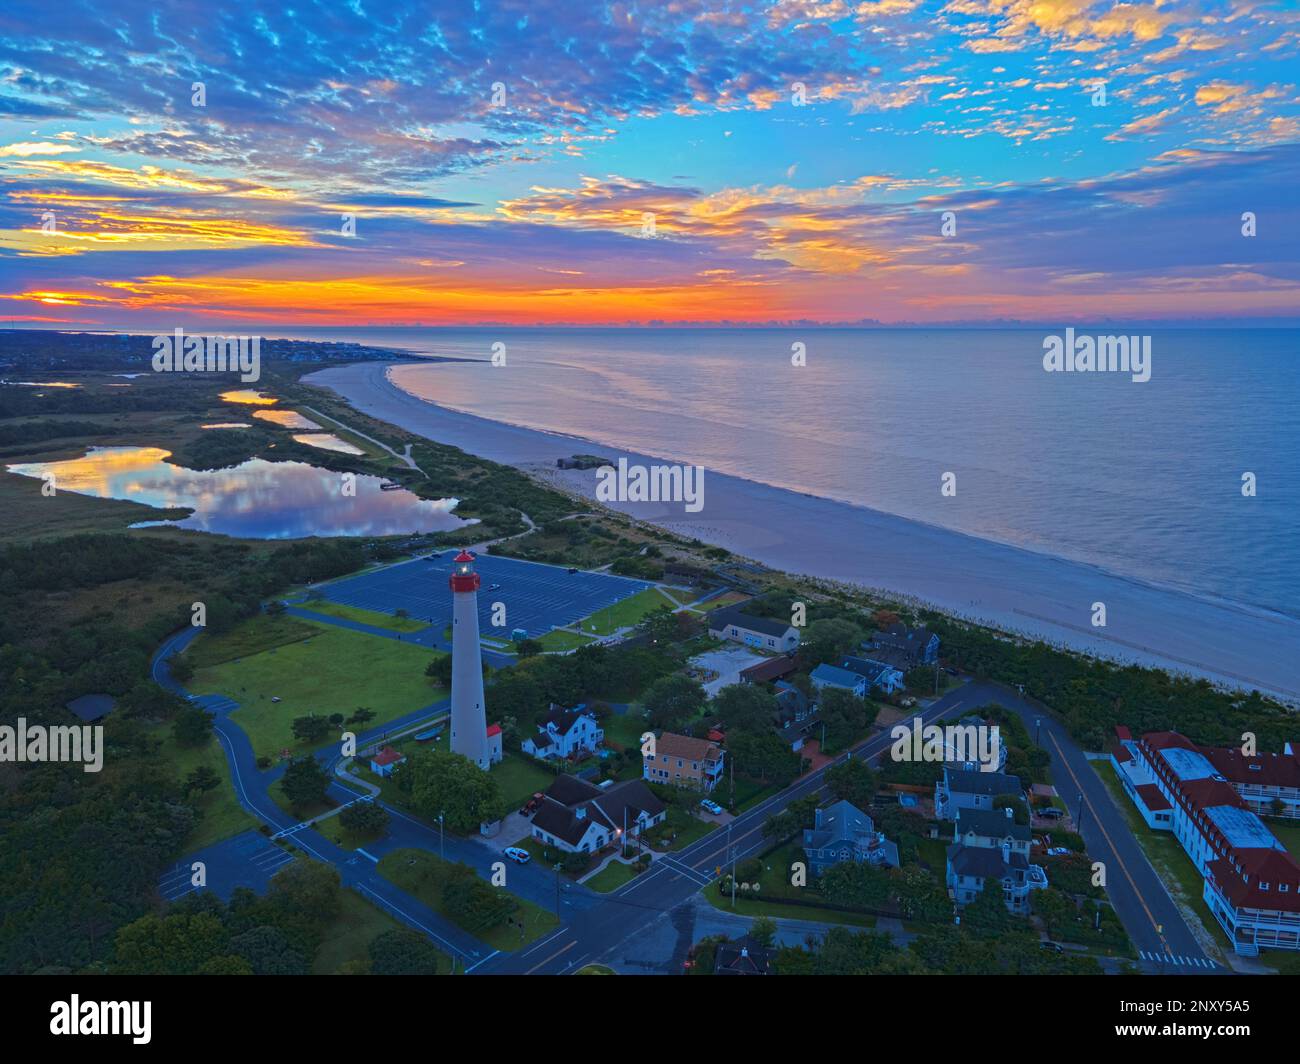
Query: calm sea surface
[1141, 479]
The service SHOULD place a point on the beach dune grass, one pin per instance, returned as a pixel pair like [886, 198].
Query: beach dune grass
[424, 874]
[336, 670]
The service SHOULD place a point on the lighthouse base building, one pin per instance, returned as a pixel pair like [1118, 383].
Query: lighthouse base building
[470, 735]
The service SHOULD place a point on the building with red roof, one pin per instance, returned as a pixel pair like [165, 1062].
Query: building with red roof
[1210, 799]
[383, 763]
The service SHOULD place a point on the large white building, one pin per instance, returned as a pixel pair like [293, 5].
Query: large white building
[1252, 885]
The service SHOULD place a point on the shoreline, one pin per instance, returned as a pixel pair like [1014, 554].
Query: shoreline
[1005, 587]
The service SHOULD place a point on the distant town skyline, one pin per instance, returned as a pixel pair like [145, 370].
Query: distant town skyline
[899, 161]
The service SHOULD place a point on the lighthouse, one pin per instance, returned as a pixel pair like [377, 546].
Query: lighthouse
[468, 717]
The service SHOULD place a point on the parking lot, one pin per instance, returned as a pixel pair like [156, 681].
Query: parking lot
[537, 597]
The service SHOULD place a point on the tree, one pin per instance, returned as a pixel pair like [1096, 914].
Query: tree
[986, 914]
[826, 642]
[304, 782]
[745, 708]
[1020, 813]
[764, 757]
[919, 896]
[446, 783]
[763, 931]
[268, 952]
[661, 626]
[306, 888]
[181, 668]
[853, 781]
[529, 648]
[193, 726]
[439, 669]
[472, 903]
[402, 952]
[673, 701]
[310, 729]
[179, 944]
[202, 779]
[855, 884]
[365, 818]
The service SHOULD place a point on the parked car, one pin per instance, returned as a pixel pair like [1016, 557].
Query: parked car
[518, 855]
[530, 806]
[710, 806]
[572, 569]
[1051, 947]
[494, 587]
[1051, 813]
[1058, 851]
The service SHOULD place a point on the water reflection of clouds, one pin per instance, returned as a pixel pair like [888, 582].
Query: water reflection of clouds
[255, 500]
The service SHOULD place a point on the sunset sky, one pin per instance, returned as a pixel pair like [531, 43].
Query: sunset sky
[531, 209]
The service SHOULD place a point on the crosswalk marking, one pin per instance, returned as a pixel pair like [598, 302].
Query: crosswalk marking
[1177, 959]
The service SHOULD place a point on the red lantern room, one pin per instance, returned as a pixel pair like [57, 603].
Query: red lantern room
[463, 576]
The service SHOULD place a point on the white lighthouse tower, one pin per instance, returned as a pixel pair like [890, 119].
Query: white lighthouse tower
[468, 716]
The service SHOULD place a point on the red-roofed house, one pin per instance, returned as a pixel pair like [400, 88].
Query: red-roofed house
[494, 743]
[383, 763]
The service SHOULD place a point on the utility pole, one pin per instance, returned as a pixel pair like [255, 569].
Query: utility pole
[732, 850]
[1078, 827]
[936, 677]
[442, 835]
[1038, 727]
[557, 888]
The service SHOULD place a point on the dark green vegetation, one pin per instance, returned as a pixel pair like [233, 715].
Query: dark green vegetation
[1091, 697]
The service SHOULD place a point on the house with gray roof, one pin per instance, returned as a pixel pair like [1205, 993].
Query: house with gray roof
[578, 817]
[991, 851]
[843, 832]
[970, 789]
[878, 675]
[831, 676]
[765, 633]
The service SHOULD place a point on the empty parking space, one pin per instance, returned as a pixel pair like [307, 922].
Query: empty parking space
[537, 597]
[247, 860]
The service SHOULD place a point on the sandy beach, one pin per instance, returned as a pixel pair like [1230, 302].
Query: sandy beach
[1014, 589]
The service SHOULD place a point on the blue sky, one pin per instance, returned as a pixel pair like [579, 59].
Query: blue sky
[616, 163]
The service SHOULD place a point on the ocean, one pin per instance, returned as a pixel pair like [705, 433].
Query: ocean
[1141, 479]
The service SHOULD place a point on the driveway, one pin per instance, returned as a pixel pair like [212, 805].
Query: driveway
[727, 663]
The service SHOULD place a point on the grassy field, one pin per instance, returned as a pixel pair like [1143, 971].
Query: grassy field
[1165, 853]
[1287, 832]
[519, 777]
[334, 671]
[625, 613]
[222, 815]
[774, 882]
[562, 640]
[423, 874]
[611, 877]
[370, 617]
[348, 937]
[247, 637]
[341, 837]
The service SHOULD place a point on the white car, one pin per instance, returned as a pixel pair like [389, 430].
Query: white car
[710, 806]
[516, 854]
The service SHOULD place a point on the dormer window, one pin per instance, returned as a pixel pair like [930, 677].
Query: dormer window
[1263, 886]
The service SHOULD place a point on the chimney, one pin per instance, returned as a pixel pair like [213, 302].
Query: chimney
[581, 812]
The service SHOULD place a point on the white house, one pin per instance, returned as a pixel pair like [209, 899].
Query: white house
[383, 763]
[765, 633]
[579, 817]
[878, 674]
[565, 732]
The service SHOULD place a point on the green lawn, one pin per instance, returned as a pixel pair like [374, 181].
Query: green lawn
[625, 730]
[222, 815]
[625, 613]
[519, 778]
[302, 812]
[335, 671]
[340, 836]
[611, 877]
[370, 617]
[1165, 853]
[423, 874]
[562, 640]
[774, 882]
[1287, 832]
[249, 637]
[348, 936]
